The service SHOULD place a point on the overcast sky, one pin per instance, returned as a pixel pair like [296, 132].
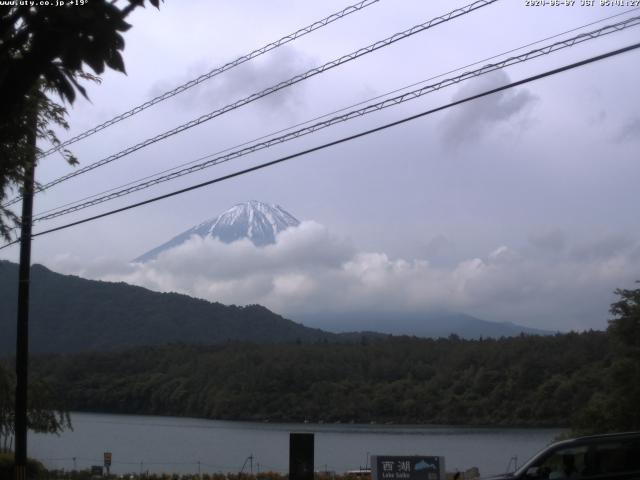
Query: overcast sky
[519, 207]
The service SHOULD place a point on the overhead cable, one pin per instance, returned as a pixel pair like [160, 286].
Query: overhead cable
[325, 115]
[255, 96]
[341, 140]
[412, 95]
[216, 71]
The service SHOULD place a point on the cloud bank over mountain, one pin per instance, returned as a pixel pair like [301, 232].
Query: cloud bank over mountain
[552, 283]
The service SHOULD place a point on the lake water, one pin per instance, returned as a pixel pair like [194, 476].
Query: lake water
[187, 445]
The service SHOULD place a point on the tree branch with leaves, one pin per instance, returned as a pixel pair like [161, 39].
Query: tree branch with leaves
[616, 408]
[45, 414]
[44, 52]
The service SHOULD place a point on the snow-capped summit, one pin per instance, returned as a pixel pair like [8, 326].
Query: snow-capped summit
[259, 222]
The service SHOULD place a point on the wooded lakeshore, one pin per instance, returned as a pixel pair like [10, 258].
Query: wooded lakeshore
[521, 381]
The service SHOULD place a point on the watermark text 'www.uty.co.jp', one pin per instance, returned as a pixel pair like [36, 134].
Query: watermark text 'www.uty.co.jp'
[42, 3]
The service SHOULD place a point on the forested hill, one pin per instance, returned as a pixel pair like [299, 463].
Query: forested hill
[527, 380]
[70, 314]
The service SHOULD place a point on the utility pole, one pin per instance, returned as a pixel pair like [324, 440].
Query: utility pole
[22, 340]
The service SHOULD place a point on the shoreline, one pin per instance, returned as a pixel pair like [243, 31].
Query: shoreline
[321, 424]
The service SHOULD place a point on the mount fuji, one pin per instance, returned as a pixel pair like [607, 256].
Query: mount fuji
[259, 222]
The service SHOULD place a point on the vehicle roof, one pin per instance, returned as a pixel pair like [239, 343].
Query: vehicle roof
[585, 440]
[607, 435]
[593, 438]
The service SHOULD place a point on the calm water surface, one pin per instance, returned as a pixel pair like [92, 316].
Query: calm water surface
[185, 445]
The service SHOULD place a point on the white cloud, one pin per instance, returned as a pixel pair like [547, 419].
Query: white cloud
[308, 271]
[469, 122]
[550, 240]
[244, 80]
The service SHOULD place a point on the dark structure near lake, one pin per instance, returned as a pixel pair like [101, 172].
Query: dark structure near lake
[301, 456]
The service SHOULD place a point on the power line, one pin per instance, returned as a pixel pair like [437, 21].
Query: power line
[341, 140]
[255, 96]
[412, 95]
[216, 71]
[191, 162]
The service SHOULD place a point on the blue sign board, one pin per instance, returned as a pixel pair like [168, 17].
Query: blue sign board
[415, 467]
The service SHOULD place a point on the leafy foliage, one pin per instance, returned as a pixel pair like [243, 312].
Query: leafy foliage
[35, 469]
[16, 148]
[43, 50]
[86, 475]
[625, 327]
[616, 407]
[50, 45]
[525, 380]
[44, 414]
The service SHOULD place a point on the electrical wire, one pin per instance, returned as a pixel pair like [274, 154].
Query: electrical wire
[255, 96]
[548, 73]
[216, 71]
[412, 95]
[191, 162]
